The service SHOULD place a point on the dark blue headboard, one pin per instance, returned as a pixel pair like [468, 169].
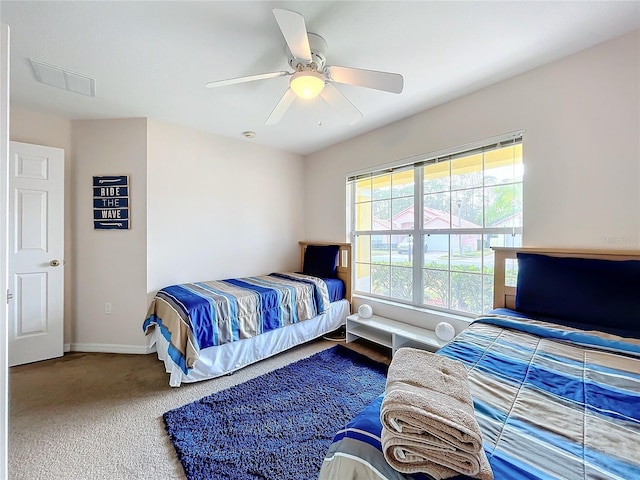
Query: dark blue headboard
[562, 283]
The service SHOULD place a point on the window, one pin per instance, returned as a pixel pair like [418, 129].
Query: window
[422, 232]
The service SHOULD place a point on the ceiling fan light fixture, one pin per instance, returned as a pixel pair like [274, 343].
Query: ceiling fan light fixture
[306, 55]
[307, 83]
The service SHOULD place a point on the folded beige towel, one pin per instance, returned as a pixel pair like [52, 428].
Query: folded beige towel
[428, 419]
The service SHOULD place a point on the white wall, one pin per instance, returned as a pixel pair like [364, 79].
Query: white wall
[109, 265]
[43, 129]
[219, 207]
[581, 150]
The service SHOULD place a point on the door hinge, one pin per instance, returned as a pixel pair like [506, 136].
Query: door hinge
[9, 296]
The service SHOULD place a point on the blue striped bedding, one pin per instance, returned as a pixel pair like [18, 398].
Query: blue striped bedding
[552, 403]
[194, 316]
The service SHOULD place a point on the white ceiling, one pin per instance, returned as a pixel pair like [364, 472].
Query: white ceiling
[152, 59]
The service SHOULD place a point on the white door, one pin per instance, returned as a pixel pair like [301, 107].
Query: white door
[36, 247]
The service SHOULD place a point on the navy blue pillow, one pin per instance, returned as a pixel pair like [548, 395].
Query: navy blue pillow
[321, 260]
[601, 294]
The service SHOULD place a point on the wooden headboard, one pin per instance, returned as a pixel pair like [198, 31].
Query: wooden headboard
[343, 266]
[504, 296]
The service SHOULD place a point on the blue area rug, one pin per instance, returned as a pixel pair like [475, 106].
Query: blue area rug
[279, 425]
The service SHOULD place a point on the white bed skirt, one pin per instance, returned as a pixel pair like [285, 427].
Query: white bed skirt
[223, 359]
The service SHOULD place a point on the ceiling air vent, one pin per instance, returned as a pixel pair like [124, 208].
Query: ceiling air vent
[57, 77]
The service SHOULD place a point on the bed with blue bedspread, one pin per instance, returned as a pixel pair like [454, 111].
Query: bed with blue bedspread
[555, 379]
[206, 329]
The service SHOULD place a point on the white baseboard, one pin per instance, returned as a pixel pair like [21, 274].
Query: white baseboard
[67, 347]
[107, 348]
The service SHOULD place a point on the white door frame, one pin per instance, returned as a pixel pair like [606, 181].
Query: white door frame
[4, 205]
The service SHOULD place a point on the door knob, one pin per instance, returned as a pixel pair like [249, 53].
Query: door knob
[54, 263]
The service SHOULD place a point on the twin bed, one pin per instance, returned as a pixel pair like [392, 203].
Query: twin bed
[205, 330]
[554, 374]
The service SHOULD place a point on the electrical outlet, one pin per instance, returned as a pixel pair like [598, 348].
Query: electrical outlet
[107, 308]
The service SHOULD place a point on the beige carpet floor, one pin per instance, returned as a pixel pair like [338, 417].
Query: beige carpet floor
[99, 416]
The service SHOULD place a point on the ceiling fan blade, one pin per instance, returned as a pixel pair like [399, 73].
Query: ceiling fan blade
[232, 81]
[281, 108]
[294, 31]
[389, 82]
[341, 104]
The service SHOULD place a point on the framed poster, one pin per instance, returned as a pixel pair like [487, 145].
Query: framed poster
[111, 202]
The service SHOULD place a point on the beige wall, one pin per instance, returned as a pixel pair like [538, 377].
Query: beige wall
[42, 129]
[203, 207]
[109, 265]
[581, 117]
[219, 207]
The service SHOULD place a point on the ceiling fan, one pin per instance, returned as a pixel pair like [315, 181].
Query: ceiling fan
[311, 76]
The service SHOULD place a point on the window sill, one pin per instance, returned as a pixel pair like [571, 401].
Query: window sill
[417, 316]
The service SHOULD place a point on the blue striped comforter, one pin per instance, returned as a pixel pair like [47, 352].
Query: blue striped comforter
[552, 403]
[194, 316]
